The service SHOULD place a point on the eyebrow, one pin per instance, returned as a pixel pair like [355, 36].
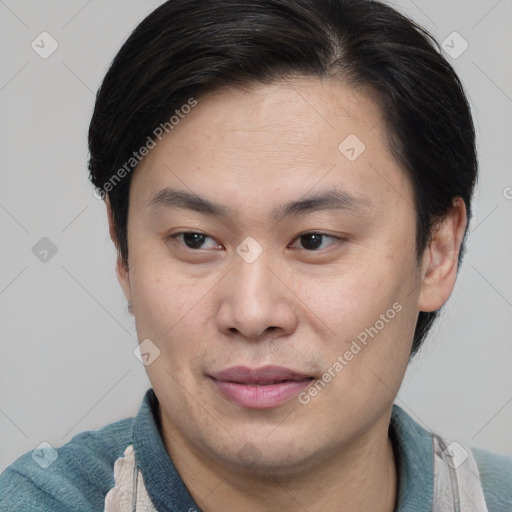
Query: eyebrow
[335, 199]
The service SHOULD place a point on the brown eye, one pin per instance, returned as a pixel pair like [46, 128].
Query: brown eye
[193, 240]
[314, 241]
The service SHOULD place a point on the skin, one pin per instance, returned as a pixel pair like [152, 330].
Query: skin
[207, 309]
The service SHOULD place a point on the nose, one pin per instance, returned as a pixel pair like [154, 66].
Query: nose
[255, 303]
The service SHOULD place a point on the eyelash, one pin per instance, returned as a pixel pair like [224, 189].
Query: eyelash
[175, 236]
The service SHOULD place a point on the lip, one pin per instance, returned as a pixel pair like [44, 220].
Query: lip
[260, 388]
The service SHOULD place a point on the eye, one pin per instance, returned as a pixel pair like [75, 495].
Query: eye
[314, 241]
[193, 240]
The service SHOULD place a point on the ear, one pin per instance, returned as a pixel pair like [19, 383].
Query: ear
[440, 259]
[123, 275]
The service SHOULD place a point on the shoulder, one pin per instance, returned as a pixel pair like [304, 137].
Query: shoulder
[71, 478]
[417, 453]
[496, 477]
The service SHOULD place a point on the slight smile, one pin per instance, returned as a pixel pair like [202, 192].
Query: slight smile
[260, 388]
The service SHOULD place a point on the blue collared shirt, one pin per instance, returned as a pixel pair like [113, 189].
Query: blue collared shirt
[77, 476]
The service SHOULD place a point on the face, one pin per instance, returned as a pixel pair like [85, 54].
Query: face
[276, 273]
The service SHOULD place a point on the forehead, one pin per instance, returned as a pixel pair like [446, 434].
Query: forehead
[289, 137]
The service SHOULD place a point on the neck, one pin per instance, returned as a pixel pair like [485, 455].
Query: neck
[360, 477]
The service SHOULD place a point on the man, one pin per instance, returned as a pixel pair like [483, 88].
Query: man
[288, 184]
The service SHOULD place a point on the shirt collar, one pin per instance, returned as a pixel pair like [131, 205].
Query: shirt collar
[412, 447]
[163, 483]
[414, 454]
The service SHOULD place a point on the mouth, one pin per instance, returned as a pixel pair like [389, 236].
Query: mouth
[260, 388]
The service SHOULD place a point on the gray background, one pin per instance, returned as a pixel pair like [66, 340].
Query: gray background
[67, 339]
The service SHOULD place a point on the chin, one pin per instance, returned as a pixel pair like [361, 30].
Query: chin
[281, 458]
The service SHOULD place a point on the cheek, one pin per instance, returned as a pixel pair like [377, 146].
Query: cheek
[169, 313]
[352, 296]
[381, 333]
[167, 309]
[369, 310]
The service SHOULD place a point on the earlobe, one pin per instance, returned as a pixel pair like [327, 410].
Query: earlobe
[440, 260]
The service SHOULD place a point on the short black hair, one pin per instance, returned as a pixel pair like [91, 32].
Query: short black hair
[185, 48]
